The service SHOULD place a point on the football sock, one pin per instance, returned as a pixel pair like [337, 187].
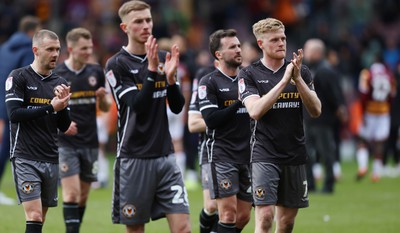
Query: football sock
[207, 221]
[71, 217]
[362, 159]
[226, 227]
[377, 168]
[81, 213]
[33, 227]
[238, 230]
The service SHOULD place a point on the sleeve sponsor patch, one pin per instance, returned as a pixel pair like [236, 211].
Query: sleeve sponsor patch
[111, 78]
[242, 86]
[9, 83]
[202, 92]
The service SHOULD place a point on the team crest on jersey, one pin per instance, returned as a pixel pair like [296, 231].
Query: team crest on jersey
[129, 211]
[9, 83]
[27, 187]
[259, 193]
[226, 184]
[64, 167]
[242, 86]
[111, 78]
[160, 69]
[202, 92]
[92, 81]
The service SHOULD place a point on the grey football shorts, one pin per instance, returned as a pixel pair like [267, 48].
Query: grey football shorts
[279, 185]
[147, 188]
[82, 161]
[35, 180]
[228, 179]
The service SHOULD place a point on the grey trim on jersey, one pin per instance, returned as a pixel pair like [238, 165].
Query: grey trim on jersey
[16, 141]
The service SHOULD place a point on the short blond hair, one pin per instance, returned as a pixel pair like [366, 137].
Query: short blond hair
[129, 6]
[75, 34]
[267, 25]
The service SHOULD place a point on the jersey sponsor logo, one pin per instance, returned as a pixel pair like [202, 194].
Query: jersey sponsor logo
[282, 105]
[129, 211]
[259, 193]
[31, 88]
[134, 71]
[289, 95]
[92, 81]
[224, 89]
[229, 102]
[226, 184]
[263, 81]
[202, 92]
[159, 94]
[242, 86]
[35, 100]
[9, 83]
[80, 94]
[242, 110]
[27, 187]
[111, 78]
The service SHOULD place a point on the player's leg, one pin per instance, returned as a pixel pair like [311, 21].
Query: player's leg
[138, 228]
[88, 174]
[285, 218]
[381, 134]
[227, 207]
[243, 214]
[265, 181]
[71, 192]
[292, 195]
[208, 215]
[70, 185]
[85, 190]
[264, 218]
[171, 196]
[244, 198]
[179, 223]
[33, 216]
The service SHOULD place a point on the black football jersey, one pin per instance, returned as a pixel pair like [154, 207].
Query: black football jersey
[278, 136]
[35, 139]
[140, 135]
[230, 142]
[84, 84]
[195, 109]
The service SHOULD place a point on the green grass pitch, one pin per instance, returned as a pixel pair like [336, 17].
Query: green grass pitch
[355, 207]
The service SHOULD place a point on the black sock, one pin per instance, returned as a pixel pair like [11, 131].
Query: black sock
[207, 221]
[71, 217]
[226, 227]
[238, 230]
[33, 227]
[81, 213]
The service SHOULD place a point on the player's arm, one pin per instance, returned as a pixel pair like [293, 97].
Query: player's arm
[196, 123]
[104, 99]
[257, 106]
[176, 100]
[308, 96]
[18, 113]
[216, 118]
